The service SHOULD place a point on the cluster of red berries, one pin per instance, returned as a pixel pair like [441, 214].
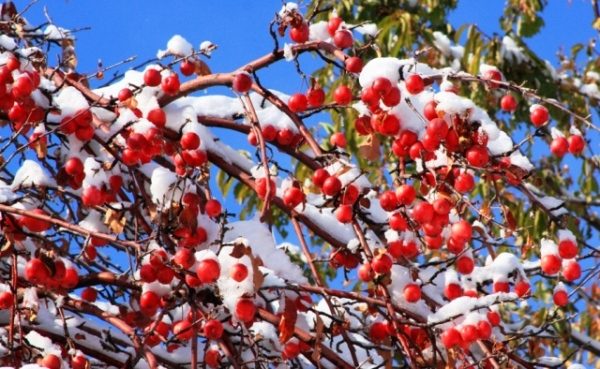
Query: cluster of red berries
[37, 272]
[80, 124]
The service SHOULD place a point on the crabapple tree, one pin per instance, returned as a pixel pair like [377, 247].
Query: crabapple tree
[434, 221]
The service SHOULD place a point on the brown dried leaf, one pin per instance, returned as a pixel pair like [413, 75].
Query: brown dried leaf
[239, 250]
[114, 221]
[370, 148]
[68, 54]
[258, 277]
[319, 329]
[288, 320]
[202, 68]
[41, 148]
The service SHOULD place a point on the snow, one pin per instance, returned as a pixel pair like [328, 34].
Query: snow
[6, 193]
[565, 234]
[163, 187]
[463, 305]
[552, 204]
[288, 52]
[548, 247]
[177, 46]
[31, 174]
[288, 8]
[519, 160]
[7, 43]
[510, 51]
[318, 31]
[367, 29]
[70, 100]
[53, 32]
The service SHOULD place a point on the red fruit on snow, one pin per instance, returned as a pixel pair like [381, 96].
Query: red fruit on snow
[560, 298]
[484, 330]
[33, 224]
[187, 67]
[149, 302]
[551, 264]
[559, 146]
[392, 98]
[338, 139]
[501, 286]
[22, 87]
[406, 194]
[208, 270]
[343, 38]
[465, 265]
[152, 77]
[477, 156]
[464, 183]
[412, 292]
[319, 177]
[462, 230]
[344, 213]
[422, 212]
[245, 310]
[333, 25]
[567, 249]
[494, 318]
[189, 141]
[438, 128]
[381, 86]
[492, 75]
[539, 115]
[332, 186]
[51, 361]
[571, 271]
[238, 272]
[125, 94]
[293, 197]
[342, 95]
[429, 110]
[366, 273]
[170, 84]
[242, 82]
[451, 337]
[469, 333]
[576, 144]
[212, 358]
[453, 291]
[262, 190]
[157, 117]
[382, 263]
[213, 329]
[414, 84]
[378, 331]
[522, 288]
[291, 350]
[6, 300]
[398, 222]
[79, 362]
[183, 330]
[388, 201]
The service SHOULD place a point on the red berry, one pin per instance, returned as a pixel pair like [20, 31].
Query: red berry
[388, 201]
[293, 197]
[366, 273]
[429, 110]
[35, 225]
[12, 63]
[571, 271]
[89, 294]
[539, 115]
[291, 350]
[576, 144]
[269, 132]
[189, 141]
[319, 177]
[51, 361]
[406, 194]
[494, 318]
[208, 270]
[453, 291]
[298, 103]
[398, 222]
[422, 212]
[79, 362]
[492, 75]
[378, 331]
[149, 302]
[212, 358]
[382, 263]
[238, 272]
[567, 249]
[261, 188]
[438, 128]
[442, 206]
[333, 25]
[187, 67]
[315, 97]
[508, 103]
[213, 208]
[245, 310]
[125, 94]
[6, 300]
[465, 265]
[500, 286]
[451, 337]
[342, 95]
[71, 278]
[343, 38]
[344, 213]
[412, 292]
[551, 264]
[213, 329]
[242, 82]
[22, 87]
[462, 230]
[170, 85]
[559, 146]
[464, 183]
[561, 298]
[477, 156]
[152, 77]
[522, 288]
[354, 64]
[300, 33]
[331, 186]
[338, 139]
[484, 330]
[414, 84]
[157, 117]
[392, 98]
[183, 330]
[381, 86]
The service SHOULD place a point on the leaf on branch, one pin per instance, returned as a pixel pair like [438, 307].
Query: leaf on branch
[288, 320]
[115, 221]
[202, 68]
[239, 249]
[370, 148]
[258, 277]
[68, 53]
